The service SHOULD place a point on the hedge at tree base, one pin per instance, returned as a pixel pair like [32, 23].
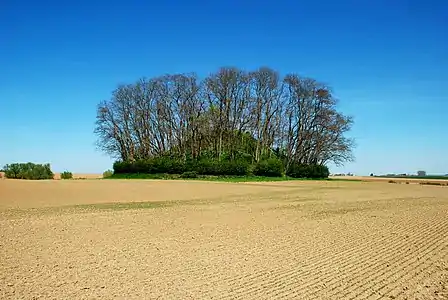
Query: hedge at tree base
[272, 167]
[308, 171]
[174, 166]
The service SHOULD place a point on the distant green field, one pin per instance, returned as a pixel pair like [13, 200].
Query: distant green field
[416, 177]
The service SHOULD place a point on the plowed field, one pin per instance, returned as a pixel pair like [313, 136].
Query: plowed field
[112, 239]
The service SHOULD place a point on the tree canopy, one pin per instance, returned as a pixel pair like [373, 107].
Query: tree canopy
[231, 114]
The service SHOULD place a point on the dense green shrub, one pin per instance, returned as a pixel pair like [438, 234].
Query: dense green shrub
[189, 174]
[205, 167]
[66, 175]
[307, 171]
[322, 171]
[108, 173]
[28, 171]
[271, 167]
[168, 165]
[217, 168]
[176, 166]
[237, 168]
[120, 167]
[297, 171]
[151, 166]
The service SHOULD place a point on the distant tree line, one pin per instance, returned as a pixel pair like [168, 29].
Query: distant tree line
[229, 116]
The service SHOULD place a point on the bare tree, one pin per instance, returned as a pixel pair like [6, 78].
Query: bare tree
[266, 95]
[315, 130]
[227, 93]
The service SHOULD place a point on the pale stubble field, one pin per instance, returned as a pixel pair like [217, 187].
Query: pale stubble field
[118, 239]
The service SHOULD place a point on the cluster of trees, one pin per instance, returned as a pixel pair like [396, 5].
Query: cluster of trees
[28, 171]
[230, 116]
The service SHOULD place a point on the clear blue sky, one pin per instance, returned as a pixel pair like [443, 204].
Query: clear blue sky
[387, 62]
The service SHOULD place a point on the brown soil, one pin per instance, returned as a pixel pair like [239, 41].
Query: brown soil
[80, 176]
[198, 240]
